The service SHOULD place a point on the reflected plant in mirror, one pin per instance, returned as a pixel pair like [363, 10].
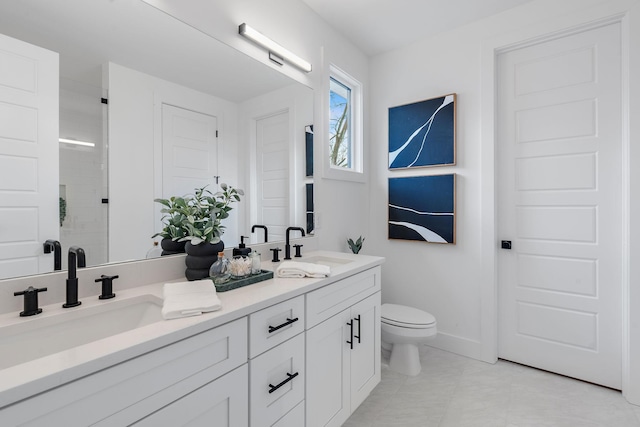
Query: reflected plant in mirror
[173, 229]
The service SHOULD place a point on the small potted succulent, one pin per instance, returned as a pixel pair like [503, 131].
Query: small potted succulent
[355, 246]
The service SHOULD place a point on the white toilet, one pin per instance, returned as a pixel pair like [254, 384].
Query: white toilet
[403, 329]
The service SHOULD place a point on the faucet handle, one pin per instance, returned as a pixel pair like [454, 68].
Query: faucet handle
[298, 254]
[107, 286]
[275, 254]
[30, 301]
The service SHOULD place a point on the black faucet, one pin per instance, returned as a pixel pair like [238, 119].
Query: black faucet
[75, 254]
[54, 245]
[30, 301]
[264, 227]
[287, 247]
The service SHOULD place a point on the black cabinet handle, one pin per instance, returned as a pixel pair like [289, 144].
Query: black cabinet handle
[287, 323]
[350, 342]
[273, 388]
[358, 336]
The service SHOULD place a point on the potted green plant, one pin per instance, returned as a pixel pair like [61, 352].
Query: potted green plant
[197, 220]
[173, 220]
[205, 211]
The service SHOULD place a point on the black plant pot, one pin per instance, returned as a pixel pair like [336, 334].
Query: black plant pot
[200, 258]
[171, 247]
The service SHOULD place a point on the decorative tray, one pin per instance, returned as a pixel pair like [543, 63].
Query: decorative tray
[245, 281]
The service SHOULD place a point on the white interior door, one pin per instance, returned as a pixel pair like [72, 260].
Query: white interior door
[272, 174]
[29, 82]
[560, 203]
[189, 151]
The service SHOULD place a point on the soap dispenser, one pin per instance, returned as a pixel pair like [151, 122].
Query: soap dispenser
[242, 249]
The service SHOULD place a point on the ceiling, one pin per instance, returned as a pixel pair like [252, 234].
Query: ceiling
[138, 36]
[377, 26]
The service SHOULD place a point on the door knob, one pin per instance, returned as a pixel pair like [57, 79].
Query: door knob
[506, 244]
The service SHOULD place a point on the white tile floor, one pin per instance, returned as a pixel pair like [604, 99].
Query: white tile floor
[454, 391]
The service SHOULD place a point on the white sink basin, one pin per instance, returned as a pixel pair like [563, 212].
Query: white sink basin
[325, 260]
[31, 338]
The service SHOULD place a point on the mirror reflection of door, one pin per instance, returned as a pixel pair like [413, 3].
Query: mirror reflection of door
[28, 157]
[189, 151]
[272, 173]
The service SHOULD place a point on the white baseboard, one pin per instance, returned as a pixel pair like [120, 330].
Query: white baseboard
[459, 345]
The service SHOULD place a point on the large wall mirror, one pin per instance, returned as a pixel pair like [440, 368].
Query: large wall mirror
[165, 108]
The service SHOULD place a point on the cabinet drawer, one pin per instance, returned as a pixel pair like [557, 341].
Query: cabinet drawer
[275, 324]
[332, 299]
[276, 382]
[138, 386]
[295, 417]
[222, 403]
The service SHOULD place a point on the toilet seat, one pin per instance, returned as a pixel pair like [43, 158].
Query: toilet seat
[406, 317]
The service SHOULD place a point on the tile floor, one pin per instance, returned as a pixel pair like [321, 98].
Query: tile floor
[454, 391]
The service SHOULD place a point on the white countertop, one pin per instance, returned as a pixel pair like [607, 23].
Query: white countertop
[27, 379]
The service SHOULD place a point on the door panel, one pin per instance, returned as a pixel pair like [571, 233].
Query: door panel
[28, 157]
[560, 202]
[272, 174]
[328, 390]
[189, 151]
[365, 356]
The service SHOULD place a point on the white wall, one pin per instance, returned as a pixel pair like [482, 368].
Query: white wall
[135, 170]
[341, 206]
[457, 283]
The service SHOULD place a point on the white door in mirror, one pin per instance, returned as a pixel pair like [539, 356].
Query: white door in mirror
[28, 156]
[189, 152]
[272, 173]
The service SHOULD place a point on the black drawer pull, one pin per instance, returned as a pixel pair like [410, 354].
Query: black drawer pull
[350, 342]
[287, 323]
[358, 336]
[273, 388]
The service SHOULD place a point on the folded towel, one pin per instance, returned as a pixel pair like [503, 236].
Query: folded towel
[302, 269]
[184, 299]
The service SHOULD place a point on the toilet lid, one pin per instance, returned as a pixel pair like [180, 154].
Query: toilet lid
[408, 317]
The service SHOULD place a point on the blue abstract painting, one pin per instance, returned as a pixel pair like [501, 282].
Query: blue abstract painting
[423, 208]
[423, 133]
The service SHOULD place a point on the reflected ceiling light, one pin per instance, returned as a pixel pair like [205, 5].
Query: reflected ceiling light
[76, 142]
[275, 50]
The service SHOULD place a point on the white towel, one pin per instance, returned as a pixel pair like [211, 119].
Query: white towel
[184, 299]
[302, 269]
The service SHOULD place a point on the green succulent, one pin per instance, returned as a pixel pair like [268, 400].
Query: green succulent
[357, 245]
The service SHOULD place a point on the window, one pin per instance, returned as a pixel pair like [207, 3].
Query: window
[345, 124]
[340, 124]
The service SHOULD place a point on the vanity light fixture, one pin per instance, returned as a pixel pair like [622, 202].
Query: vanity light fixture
[276, 52]
[77, 142]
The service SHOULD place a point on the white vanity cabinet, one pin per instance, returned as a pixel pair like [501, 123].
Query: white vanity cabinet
[290, 353]
[277, 364]
[221, 403]
[126, 393]
[343, 347]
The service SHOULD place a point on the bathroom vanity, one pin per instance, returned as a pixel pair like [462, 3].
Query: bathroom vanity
[283, 352]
